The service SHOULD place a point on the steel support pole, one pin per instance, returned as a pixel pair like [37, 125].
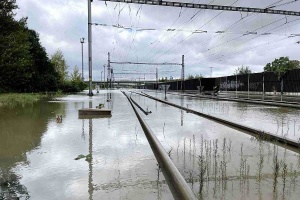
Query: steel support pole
[248, 84]
[200, 90]
[104, 76]
[108, 69]
[156, 78]
[90, 45]
[82, 41]
[263, 85]
[235, 85]
[226, 85]
[182, 74]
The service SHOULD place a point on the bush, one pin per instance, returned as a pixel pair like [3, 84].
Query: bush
[72, 86]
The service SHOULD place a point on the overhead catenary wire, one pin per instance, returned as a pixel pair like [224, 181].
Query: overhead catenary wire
[156, 42]
[266, 33]
[207, 58]
[219, 34]
[234, 23]
[194, 17]
[189, 36]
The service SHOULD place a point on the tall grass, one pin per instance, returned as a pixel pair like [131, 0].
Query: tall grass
[13, 100]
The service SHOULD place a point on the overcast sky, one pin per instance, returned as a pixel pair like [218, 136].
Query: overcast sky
[222, 40]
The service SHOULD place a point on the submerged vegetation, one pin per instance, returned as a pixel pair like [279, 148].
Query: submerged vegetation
[217, 169]
[12, 100]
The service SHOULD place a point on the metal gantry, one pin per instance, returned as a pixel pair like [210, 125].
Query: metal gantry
[209, 7]
[146, 63]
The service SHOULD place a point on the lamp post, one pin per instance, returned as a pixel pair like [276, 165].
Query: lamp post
[82, 41]
[101, 78]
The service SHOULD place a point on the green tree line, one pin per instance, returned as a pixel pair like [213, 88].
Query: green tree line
[279, 66]
[24, 63]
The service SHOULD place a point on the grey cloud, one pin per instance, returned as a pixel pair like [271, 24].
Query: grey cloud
[62, 23]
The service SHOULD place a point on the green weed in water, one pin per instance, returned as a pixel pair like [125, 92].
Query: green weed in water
[13, 100]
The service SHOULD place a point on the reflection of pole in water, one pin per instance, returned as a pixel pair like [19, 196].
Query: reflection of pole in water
[181, 102]
[91, 189]
[82, 134]
[181, 117]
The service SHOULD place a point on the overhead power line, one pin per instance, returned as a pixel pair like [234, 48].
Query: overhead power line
[210, 7]
[139, 29]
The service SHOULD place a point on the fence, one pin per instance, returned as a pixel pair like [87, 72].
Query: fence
[256, 82]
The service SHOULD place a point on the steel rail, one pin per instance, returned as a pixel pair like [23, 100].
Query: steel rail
[260, 102]
[144, 111]
[177, 184]
[255, 132]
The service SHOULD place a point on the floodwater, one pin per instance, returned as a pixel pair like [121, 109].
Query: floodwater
[37, 153]
[282, 121]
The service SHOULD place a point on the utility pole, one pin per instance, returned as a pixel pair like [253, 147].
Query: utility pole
[211, 71]
[248, 84]
[108, 69]
[104, 75]
[156, 77]
[263, 84]
[236, 85]
[82, 41]
[90, 45]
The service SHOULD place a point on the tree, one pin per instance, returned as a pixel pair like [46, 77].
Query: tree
[76, 76]
[60, 65]
[281, 65]
[44, 77]
[7, 7]
[24, 63]
[242, 70]
[189, 77]
[15, 58]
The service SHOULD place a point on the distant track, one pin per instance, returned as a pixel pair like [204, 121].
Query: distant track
[290, 144]
[261, 102]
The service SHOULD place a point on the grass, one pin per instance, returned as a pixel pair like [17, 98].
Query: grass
[223, 165]
[12, 100]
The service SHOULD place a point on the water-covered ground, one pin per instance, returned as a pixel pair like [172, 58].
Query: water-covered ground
[37, 153]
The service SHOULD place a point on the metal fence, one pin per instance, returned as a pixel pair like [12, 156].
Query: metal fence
[256, 82]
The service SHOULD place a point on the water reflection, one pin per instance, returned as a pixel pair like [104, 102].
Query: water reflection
[181, 112]
[21, 132]
[82, 134]
[91, 188]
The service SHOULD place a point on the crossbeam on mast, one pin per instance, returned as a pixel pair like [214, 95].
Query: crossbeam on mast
[209, 7]
[140, 63]
[133, 73]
